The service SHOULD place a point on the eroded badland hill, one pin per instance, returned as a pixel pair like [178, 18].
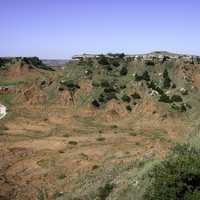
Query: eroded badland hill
[92, 128]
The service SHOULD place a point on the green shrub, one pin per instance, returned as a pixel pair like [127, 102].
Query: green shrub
[73, 142]
[122, 86]
[177, 177]
[136, 96]
[66, 135]
[105, 97]
[33, 60]
[115, 63]
[176, 98]
[94, 167]
[183, 108]
[95, 84]
[153, 86]
[198, 60]
[105, 191]
[126, 98]
[103, 60]
[123, 71]
[179, 108]
[129, 108]
[167, 80]
[117, 55]
[105, 83]
[145, 76]
[164, 98]
[138, 77]
[109, 90]
[150, 62]
[100, 139]
[95, 103]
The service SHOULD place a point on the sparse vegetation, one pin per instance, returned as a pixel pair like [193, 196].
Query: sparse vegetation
[107, 152]
[167, 80]
[72, 87]
[124, 71]
[177, 177]
[73, 142]
[126, 98]
[100, 139]
[105, 191]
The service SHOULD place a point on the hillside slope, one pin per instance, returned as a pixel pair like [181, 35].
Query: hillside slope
[94, 129]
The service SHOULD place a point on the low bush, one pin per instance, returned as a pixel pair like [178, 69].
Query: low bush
[105, 97]
[103, 60]
[105, 191]
[73, 142]
[110, 90]
[95, 103]
[115, 63]
[123, 71]
[128, 108]
[179, 108]
[100, 139]
[164, 98]
[167, 80]
[150, 62]
[136, 96]
[126, 98]
[105, 83]
[177, 177]
[95, 84]
[145, 76]
[176, 98]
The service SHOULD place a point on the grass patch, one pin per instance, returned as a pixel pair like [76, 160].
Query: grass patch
[152, 134]
[46, 163]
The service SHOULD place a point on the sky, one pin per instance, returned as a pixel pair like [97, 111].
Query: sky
[58, 29]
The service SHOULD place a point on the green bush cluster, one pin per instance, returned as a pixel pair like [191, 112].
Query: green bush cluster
[176, 98]
[124, 71]
[177, 177]
[167, 80]
[103, 60]
[165, 98]
[135, 96]
[180, 108]
[105, 191]
[126, 98]
[145, 76]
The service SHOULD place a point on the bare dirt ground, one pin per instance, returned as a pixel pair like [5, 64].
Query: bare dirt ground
[52, 147]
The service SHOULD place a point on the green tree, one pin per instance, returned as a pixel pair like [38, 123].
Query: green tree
[124, 71]
[167, 80]
[103, 60]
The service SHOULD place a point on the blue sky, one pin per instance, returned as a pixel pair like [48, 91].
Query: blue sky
[61, 28]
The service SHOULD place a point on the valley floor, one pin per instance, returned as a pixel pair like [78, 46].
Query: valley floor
[60, 152]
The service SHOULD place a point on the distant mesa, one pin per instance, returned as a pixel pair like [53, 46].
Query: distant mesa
[149, 58]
